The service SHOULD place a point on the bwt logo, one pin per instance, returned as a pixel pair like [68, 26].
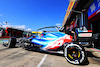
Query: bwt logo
[93, 7]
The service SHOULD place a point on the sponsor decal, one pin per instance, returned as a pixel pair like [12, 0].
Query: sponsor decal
[94, 8]
[59, 42]
[85, 34]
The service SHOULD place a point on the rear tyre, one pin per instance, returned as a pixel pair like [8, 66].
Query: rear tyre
[75, 54]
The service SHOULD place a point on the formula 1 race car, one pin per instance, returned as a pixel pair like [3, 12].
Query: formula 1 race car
[55, 42]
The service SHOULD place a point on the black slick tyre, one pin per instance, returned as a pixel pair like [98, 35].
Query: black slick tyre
[75, 54]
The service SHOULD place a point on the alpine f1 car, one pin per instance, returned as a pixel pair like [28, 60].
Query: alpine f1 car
[56, 42]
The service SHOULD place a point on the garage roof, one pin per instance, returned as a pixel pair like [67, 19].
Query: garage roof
[77, 5]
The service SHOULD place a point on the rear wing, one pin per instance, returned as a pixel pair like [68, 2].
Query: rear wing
[50, 27]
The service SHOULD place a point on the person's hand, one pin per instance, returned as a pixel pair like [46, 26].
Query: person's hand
[72, 32]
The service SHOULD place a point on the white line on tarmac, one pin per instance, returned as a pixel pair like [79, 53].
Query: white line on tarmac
[41, 62]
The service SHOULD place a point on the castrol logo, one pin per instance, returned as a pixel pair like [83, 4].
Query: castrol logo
[85, 35]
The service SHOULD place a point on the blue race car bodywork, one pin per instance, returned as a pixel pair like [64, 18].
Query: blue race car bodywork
[51, 40]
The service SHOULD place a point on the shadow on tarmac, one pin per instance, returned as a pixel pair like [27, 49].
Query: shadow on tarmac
[96, 60]
[57, 54]
[88, 53]
[4, 49]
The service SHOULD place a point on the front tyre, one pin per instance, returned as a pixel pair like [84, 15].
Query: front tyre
[75, 54]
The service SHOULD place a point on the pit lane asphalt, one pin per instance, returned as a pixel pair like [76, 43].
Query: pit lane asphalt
[18, 57]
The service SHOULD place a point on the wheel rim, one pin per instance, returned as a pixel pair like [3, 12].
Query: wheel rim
[74, 54]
